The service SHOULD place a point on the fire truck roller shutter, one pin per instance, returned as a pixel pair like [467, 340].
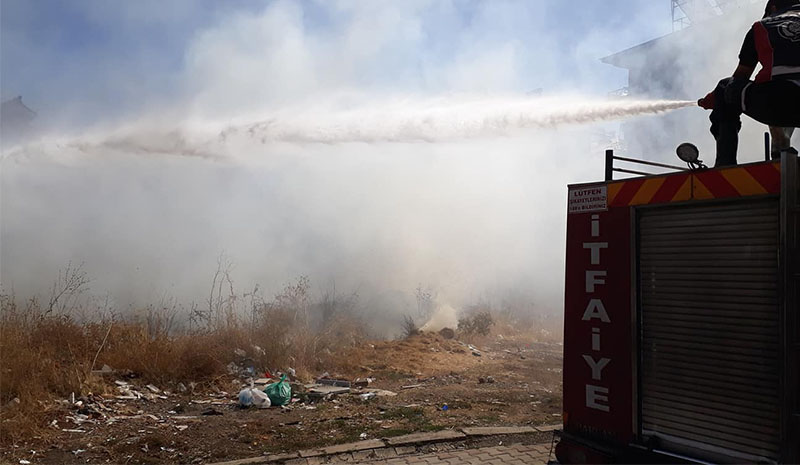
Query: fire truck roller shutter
[708, 293]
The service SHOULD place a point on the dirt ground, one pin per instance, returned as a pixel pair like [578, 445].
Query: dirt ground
[452, 389]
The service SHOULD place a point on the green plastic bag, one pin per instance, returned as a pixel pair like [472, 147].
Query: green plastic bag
[279, 393]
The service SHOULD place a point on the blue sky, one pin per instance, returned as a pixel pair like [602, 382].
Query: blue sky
[87, 60]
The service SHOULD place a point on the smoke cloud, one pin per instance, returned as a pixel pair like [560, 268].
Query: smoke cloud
[373, 146]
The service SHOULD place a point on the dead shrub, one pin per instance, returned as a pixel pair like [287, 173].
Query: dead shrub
[410, 327]
[479, 323]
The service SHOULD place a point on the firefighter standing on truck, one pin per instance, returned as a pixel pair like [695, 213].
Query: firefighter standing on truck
[774, 97]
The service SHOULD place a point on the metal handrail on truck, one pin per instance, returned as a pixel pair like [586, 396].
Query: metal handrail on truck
[610, 169]
[610, 157]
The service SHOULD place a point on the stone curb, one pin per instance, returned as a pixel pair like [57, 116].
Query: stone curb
[498, 430]
[421, 438]
[400, 444]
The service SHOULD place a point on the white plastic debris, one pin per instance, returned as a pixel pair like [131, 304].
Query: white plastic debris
[260, 398]
[254, 397]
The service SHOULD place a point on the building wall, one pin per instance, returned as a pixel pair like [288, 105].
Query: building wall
[686, 65]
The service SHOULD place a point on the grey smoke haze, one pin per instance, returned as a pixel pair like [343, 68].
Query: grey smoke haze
[469, 217]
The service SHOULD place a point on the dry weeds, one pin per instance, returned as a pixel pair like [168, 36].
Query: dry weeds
[46, 356]
[49, 351]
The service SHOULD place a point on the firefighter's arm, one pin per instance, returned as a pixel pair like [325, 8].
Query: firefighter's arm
[743, 71]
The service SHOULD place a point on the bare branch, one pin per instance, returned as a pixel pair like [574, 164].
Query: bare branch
[71, 282]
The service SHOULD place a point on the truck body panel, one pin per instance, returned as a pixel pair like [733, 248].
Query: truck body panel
[680, 327]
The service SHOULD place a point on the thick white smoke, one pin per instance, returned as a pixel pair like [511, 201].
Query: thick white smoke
[268, 135]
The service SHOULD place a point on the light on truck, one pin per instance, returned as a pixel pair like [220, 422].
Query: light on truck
[688, 152]
[691, 155]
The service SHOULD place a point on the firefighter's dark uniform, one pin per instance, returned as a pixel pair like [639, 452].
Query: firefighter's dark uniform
[774, 97]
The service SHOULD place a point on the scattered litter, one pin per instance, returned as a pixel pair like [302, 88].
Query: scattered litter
[240, 352]
[261, 399]
[253, 397]
[105, 370]
[279, 393]
[67, 430]
[333, 382]
[383, 393]
[79, 419]
[153, 388]
[367, 396]
[233, 368]
[318, 391]
[24, 462]
[363, 436]
[476, 353]
[121, 383]
[412, 386]
[362, 383]
[246, 398]
[78, 451]
[181, 427]
[445, 408]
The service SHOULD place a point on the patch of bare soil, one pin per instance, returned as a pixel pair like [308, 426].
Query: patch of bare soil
[439, 384]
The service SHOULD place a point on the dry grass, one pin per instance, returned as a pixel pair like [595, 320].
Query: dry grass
[45, 356]
[426, 353]
[49, 350]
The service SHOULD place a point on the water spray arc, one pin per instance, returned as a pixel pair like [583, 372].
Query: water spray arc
[391, 121]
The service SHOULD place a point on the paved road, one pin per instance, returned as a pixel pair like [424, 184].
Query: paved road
[519, 454]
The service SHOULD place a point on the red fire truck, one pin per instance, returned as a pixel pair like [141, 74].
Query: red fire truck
[681, 329]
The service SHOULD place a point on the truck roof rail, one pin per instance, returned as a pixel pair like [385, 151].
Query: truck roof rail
[610, 169]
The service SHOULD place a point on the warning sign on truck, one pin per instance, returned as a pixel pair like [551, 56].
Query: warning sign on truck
[588, 199]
